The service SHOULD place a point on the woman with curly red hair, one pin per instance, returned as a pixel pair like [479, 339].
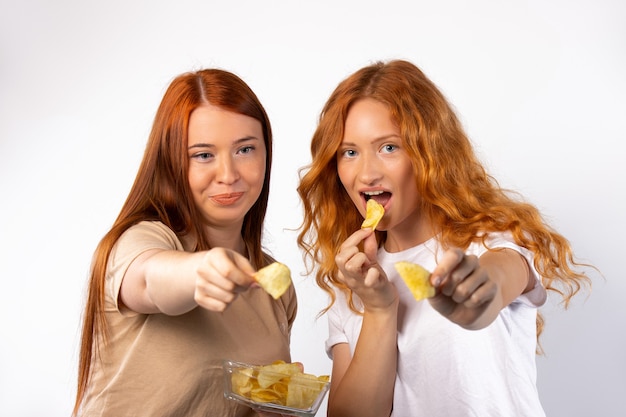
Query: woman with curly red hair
[387, 133]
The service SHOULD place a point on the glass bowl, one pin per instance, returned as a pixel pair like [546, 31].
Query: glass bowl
[274, 390]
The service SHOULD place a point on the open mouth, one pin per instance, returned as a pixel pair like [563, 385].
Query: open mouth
[381, 197]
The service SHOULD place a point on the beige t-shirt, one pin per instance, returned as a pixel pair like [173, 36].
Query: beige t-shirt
[159, 365]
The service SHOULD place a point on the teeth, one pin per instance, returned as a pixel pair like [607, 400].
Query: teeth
[373, 192]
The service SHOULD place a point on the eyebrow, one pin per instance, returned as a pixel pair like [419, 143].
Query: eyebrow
[237, 142]
[376, 140]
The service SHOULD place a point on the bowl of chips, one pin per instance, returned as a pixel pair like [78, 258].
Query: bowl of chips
[279, 387]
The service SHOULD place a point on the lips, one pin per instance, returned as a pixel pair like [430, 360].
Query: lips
[226, 199]
[382, 197]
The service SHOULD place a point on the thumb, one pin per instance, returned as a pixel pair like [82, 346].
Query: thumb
[242, 263]
[370, 247]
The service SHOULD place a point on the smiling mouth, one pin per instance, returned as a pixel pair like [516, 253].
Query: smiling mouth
[226, 199]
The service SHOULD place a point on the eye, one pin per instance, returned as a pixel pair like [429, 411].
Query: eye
[202, 156]
[246, 149]
[389, 148]
[347, 153]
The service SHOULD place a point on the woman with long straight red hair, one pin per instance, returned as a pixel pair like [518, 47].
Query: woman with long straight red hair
[171, 293]
[387, 133]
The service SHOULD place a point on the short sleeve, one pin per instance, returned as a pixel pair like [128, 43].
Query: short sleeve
[335, 334]
[538, 295]
[133, 242]
[337, 317]
[290, 301]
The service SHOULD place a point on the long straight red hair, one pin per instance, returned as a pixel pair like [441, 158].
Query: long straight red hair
[161, 191]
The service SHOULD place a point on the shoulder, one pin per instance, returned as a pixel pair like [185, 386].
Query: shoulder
[151, 227]
[150, 233]
[495, 240]
[537, 296]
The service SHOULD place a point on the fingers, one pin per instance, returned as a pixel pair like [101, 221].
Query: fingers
[359, 271]
[351, 246]
[373, 278]
[356, 264]
[221, 275]
[484, 292]
[454, 268]
[353, 263]
[231, 266]
[447, 263]
[370, 246]
[460, 277]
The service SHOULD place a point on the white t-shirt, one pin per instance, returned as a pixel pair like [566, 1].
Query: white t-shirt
[445, 370]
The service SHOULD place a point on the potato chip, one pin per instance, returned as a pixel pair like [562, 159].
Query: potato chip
[303, 389]
[374, 212]
[416, 278]
[274, 278]
[244, 380]
[280, 383]
[271, 374]
[283, 367]
[266, 395]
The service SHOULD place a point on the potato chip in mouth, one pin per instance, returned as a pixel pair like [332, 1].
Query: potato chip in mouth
[416, 278]
[374, 213]
[275, 279]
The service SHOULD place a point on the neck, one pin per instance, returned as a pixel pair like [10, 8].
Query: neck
[226, 237]
[403, 238]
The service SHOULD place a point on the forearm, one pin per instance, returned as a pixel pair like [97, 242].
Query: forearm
[366, 388]
[480, 317]
[171, 281]
[509, 270]
[161, 282]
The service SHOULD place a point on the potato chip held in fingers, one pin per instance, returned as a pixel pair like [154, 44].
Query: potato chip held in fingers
[374, 212]
[416, 278]
[275, 279]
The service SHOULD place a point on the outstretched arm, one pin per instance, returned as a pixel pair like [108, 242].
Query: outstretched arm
[174, 282]
[471, 291]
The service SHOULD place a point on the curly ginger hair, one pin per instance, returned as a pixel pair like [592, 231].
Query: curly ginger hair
[461, 199]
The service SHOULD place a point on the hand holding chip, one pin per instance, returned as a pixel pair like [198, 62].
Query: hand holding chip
[360, 272]
[464, 289]
[221, 275]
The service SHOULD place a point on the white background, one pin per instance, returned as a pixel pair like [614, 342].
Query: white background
[539, 84]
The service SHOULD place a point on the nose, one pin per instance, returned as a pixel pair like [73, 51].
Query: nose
[369, 171]
[227, 172]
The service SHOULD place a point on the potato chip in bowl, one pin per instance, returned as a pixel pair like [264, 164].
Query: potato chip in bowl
[279, 387]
